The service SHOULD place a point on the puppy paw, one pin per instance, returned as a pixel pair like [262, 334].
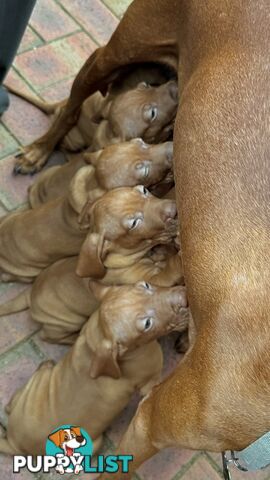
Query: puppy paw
[46, 364]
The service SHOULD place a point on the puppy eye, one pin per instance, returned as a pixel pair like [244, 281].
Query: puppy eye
[153, 114]
[147, 285]
[143, 190]
[149, 113]
[146, 85]
[148, 323]
[143, 169]
[134, 223]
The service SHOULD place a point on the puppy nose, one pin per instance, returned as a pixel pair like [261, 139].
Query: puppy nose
[79, 438]
[169, 154]
[169, 211]
[173, 90]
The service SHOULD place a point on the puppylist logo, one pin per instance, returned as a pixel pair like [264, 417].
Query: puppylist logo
[69, 449]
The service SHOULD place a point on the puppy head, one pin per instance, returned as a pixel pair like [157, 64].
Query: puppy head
[125, 218]
[144, 111]
[131, 163]
[130, 316]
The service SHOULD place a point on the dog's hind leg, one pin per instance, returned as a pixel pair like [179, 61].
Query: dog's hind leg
[17, 304]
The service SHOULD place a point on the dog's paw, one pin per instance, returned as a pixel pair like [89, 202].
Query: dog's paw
[46, 364]
[30, 159]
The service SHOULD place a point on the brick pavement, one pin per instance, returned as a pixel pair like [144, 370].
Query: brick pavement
[59, 38]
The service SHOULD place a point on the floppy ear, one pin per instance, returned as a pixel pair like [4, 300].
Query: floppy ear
[79, 185]
[92, 253]
[106, 108]
[84, 218]
[76, 430]
[98, 289]
[104, 361]
[56, 438]
[92, 157]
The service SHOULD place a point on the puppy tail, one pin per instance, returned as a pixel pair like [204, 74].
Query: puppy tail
[17, 304]
[48, 108]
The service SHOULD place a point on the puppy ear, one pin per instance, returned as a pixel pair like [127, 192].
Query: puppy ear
[56, 438]
[104, 361]
[92, 157]
[106, 108]
[98, 289]
[79, 186]
[92, 253]
[76, 430]
[84, 218]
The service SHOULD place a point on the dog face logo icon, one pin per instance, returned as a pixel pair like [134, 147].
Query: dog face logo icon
[68, 439]
[70, 444]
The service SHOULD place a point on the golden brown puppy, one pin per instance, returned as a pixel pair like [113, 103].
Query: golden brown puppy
[31, 240]
[144, 111]
[118, 345]
[123, 224]
[124, 164]
[70, 302]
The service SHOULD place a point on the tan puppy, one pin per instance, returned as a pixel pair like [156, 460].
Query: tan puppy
[71, 303]
[118, 345]
[33, 239]
[144, 111]
[124, 164]
[124, 224]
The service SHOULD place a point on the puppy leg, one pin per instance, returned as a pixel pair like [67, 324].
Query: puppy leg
[97, 444]
[127, 45]
[8, 277]
[57, 335]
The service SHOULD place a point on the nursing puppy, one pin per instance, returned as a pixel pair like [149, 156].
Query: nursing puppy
[118, 345]
[124, 224]
[71, 303]
[144, 111]
[124, 164]
[33, 239]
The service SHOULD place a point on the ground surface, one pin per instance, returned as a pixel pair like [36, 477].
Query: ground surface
[60, 37]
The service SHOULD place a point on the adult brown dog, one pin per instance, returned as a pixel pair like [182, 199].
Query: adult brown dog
[218, 398]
